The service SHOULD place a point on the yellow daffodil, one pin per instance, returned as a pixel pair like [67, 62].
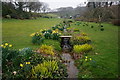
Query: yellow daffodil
[32, 34]
[90, 58]
[53, 32]
[21, 65]
[10, 45]
[6, 44]
[27, 62]
[2, 45]
[20, 49]
[85, 59]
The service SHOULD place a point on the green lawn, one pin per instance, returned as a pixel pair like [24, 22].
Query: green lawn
[17, 32]
[106, 45]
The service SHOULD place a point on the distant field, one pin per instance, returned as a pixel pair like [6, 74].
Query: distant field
[17, 32]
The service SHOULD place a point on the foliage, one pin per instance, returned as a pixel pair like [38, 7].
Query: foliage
[26, 52]
[45, 69]
[37, 38]
[76, 30]
[82, 48]
[20, 64]
[83, 34]
[78, 40]
[83, 64]
[55, 36]
[45, 49]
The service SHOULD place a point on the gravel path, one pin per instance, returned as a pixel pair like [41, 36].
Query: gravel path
[71, 68]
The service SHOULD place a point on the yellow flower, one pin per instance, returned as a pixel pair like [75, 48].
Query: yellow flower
[6, 44]
[21, 65]
[32, 34]
[85, 59]
[27, 62]
[2, 45]
[53, 32]
[10, 45]
[20, 49]
[90, 58]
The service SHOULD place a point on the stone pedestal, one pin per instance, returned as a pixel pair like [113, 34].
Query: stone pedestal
[65, 43]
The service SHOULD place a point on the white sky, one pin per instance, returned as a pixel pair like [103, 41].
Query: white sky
[53, 4]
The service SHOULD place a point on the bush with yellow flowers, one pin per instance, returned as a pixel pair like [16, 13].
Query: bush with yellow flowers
[45, 49]
[37, 38]
[82, 48]
[83, 34]
[79, 40]
[55, 35]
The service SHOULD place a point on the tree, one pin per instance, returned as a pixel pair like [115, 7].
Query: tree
[44, 7]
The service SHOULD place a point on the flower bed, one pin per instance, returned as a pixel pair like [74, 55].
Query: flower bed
[26, 63]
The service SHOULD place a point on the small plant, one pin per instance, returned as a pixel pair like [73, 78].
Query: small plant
[102, 29]
[78, 40]
[82, 48]
[45, 49]
[55, 35]
[45, 69]
[37, 38]
[47, 35]
[76, 30]
[83, 34]
[92, 26]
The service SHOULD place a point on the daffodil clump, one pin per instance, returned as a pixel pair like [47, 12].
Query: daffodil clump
[45, 49]
[22, 65]
[37, 38]
[87, 59]
[6, 45]
[82, 48]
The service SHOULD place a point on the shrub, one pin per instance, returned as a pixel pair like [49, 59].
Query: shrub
[102, 29]
[76, 30]
[26, 53]
[37, 38]
[82, 48]
[45, 69]
[55, 36]
[47, 35]
[83, 34]
[45, 49]
[80, 40]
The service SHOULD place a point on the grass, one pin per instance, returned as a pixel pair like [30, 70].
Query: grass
[17, 32]
[106, 45]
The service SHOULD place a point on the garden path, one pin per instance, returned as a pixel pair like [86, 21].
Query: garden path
[71, 68]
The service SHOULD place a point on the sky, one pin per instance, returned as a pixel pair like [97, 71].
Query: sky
[53, 4]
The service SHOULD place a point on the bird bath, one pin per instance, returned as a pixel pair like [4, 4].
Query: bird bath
[65, 43]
